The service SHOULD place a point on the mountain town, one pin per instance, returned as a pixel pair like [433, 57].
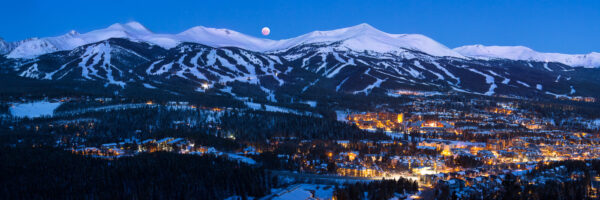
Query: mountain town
[344, 111]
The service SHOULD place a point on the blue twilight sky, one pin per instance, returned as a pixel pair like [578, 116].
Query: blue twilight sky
[546, 26]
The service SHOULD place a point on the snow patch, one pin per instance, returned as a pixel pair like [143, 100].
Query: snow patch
[523, 83]
[34, 109]
[489, 80]
[368, 89]
[146, 85]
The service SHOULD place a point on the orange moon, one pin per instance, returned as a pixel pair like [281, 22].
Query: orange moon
[266, 31]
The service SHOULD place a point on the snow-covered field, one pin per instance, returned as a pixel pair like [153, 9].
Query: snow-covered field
[341, 115]
[305, 191]
[241, 158]
[271, 108]
[312, 104]
[105, 108]
[33, 109]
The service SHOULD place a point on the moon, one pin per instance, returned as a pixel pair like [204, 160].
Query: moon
[266, 31]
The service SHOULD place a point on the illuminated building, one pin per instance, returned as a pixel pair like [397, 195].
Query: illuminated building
[424, 171]
[350, 155]
[533, 126]
[432, 124]
[343, 143]
[373, 121]
[358, 171]
[400, 117]
[446, 151]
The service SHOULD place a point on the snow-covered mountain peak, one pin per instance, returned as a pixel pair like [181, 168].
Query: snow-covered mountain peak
[511, 52]
[136, 25]
[362, 26]
[357, 38]
[528, 54]
[202, 29]
[425, 44]
[133, 27]
[344, 33]
[73, 32]
[365, 37]
[361, 37]
[219, 37]
[203, 33]
[361, 30]
[32, 48]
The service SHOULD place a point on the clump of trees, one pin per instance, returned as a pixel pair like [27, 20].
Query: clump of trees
[465, 161]
[46, 173]
[383, 189]
[521, 187]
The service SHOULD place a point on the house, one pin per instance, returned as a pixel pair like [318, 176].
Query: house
[455, 184]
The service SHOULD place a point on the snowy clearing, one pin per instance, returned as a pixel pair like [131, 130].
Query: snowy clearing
[34, 109]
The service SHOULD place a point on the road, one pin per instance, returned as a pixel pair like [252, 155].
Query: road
[320, 178]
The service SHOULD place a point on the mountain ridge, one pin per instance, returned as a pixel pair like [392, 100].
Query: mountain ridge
[119, 65]
[362, 37]
[525, 53]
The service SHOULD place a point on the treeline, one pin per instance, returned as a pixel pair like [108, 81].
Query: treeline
[244, 125]
[99, 127]
[513, 188]
[258, 126]
[45, 173]
[550, 189]
[383, 189]
[574, 184]
[4, 108]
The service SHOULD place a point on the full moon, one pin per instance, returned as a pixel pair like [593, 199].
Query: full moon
[266, 31]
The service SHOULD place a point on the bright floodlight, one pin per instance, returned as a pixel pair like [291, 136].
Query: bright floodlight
[205, 86]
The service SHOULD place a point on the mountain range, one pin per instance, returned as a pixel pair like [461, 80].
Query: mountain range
[358, 60]
[359, 37]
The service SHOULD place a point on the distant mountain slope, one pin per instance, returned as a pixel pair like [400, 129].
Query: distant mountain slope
[111, 61]
[132, 31]
[358, 72]
[315, 68]
[523, 53]
[360, 37]
[358, 60]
